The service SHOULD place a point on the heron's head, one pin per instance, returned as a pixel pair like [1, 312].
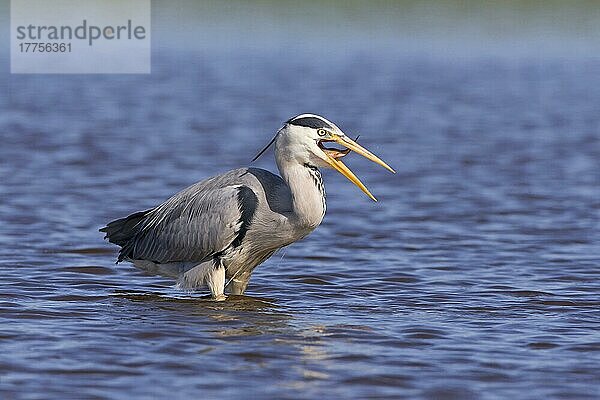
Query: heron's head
[308, 139]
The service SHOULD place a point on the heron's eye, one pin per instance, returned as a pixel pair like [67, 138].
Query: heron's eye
[321, 132]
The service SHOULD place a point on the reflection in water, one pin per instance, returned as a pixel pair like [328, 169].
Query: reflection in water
[250, 315]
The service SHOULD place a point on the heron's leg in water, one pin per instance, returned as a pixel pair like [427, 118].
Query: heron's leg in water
[239, 283]
[215, 280]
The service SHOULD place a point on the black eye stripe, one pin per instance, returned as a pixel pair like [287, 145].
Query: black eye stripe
[310, 122]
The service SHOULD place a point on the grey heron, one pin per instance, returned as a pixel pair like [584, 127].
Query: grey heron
[215, 232]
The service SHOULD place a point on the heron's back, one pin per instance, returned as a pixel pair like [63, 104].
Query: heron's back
[203, 219]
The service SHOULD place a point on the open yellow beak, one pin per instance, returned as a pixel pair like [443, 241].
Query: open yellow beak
[339, 166]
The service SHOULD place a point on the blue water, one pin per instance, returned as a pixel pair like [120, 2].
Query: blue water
[476, 275]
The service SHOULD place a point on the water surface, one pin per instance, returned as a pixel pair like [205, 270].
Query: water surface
[474, 276]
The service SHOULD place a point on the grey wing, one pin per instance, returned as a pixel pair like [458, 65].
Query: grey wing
[194, 225]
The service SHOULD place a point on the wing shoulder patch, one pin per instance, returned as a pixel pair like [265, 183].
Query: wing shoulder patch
[248, 203]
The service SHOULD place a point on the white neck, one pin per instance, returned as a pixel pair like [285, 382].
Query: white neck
[307, 191]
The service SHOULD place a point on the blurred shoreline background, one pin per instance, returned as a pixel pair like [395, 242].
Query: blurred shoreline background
[439, 29]
[427, 28]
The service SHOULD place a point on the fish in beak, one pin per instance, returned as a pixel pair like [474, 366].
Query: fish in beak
[334, 158]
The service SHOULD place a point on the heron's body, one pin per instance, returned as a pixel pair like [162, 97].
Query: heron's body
[218, 230]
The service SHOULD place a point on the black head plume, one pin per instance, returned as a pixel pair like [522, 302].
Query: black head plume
[265, 149]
